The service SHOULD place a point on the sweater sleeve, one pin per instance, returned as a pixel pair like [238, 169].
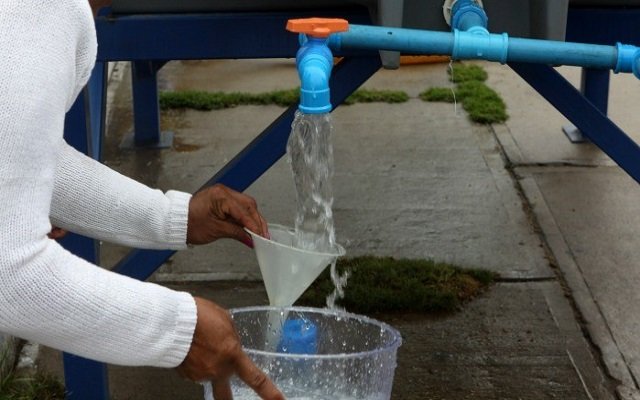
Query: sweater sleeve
[91, 199]
[47, 294]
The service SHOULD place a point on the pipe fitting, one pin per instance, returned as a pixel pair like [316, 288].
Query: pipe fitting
[477, 43]
[467, 14]
[315, 62]
[628, 59]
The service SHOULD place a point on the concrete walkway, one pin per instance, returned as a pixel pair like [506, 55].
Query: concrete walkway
[587, 209]
[419, 180]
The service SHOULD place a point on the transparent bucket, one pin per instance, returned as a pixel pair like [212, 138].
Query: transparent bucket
[321, 353]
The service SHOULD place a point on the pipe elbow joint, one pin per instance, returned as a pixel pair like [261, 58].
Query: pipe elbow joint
[628, 59]
[478, 43]
[315, 62]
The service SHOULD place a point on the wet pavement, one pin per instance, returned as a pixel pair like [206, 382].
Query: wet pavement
[419, 180]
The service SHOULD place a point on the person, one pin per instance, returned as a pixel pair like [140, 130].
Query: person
[50, 296]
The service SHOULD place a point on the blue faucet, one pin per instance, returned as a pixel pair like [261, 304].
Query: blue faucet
[315, 61]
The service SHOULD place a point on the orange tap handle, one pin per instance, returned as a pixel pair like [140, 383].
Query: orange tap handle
[318, 27]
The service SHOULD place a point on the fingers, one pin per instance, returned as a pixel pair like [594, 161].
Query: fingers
[56, 233]
[251, 208]
[256, 379]
[222, 390]
[232, 230]
[219, 212]
[247, 217]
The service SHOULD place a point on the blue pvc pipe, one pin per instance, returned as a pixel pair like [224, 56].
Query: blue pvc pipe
[476, 43]
[562, 53]
[410, 41]
[315, 62]
[467, 14]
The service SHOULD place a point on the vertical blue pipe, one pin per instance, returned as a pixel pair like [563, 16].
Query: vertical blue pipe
[315, 62]
[467, 15]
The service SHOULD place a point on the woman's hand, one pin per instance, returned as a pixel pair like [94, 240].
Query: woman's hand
[216, 355]
[220, 212]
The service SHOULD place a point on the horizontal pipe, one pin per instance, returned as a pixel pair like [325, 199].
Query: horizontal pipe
[476, 45]
[410, 41]
[562, 53]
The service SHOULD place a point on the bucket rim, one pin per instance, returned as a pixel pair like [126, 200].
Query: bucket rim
[393, 345]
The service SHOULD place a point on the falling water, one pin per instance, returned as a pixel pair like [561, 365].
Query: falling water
[310, 153]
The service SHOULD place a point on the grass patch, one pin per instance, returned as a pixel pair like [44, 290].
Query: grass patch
[482, 103]
[377, 96]
[384, 284]
[438, 94]
[38, 387]
[467, 72]
[206, 101]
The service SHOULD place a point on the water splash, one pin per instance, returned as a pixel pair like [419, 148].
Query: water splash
[339, 282]
[310, 153]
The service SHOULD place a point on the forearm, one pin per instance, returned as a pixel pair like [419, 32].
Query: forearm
[64, 302]
[91, 199]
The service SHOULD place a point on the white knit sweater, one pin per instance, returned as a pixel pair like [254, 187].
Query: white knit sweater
[47, 295]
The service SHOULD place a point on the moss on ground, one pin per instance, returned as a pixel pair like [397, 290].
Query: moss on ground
[467, 72]
[385, 284]
[38, 387]
[438, 94]
[481, 102]
[377, 96]
[205, 101]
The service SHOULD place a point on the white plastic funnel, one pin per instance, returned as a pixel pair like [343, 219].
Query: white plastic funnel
[288, 271]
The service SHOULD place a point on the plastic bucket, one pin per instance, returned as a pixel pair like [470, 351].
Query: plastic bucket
[322, 354]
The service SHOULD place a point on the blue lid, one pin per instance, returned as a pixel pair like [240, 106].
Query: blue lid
[299, 336]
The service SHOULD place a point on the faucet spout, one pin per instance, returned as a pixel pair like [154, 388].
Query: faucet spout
[315, 61]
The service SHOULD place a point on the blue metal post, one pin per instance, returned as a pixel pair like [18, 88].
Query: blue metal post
[84, 379]
[594, 85]
[96, 92]
[146, 112]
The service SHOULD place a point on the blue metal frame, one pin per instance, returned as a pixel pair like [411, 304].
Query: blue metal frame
[149, 41]
[606, 26]
[581, 112]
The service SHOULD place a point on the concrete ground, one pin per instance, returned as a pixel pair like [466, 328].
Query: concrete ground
[419, 180]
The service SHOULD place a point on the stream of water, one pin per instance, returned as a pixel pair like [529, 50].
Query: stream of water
[310, 153]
